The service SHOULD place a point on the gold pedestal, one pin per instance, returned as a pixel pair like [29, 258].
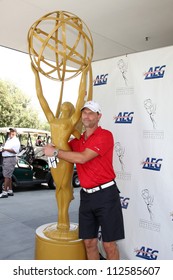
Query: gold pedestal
[58, 247]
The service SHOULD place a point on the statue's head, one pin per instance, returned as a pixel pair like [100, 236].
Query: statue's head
[58, 40]
[67, 108]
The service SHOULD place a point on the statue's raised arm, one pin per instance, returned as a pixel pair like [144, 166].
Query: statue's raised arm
[84, 94]
[44, 104]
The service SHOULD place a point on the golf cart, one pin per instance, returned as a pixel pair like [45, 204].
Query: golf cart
[32, 165]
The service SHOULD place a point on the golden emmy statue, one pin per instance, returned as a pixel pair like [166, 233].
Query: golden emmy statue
[61, 48]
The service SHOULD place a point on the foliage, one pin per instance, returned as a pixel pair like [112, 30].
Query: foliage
[15, 108]
[45, 126]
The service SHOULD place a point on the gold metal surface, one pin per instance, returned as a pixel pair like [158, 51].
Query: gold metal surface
[58, 249]
[58, 40]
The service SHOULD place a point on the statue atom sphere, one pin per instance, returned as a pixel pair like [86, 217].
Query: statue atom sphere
[56, 41]
[63, 38]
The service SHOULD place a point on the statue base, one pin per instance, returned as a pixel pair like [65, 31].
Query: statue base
[55, 244]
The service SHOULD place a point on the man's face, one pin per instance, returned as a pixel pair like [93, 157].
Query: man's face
[90, 118]
[12, 133]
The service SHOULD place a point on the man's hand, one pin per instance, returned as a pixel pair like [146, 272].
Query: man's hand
[49, 150]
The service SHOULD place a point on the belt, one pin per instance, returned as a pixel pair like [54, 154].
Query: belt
[9, 157]
[101, 187]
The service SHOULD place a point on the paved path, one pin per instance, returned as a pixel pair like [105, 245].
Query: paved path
[22, 214]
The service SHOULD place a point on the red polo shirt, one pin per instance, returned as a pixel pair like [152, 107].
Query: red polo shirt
[100, 169]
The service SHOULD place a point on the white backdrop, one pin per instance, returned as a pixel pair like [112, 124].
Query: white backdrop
[136, 96]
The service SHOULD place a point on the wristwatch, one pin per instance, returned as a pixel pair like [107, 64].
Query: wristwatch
[55, 153]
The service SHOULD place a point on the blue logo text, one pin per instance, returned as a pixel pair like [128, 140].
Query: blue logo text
[124, 202]
[100, 80]
[152, 164]
[155, 73]
[125, 117]
[147, 253]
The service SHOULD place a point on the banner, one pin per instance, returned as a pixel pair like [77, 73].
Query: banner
[136, 95]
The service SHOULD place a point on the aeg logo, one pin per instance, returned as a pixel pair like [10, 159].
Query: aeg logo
[147, 253]
[157, 72]
[124, 202]
[125, 117]
[100, 80]
[153, 164]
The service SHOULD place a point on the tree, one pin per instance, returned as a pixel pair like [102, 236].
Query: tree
[15, 108]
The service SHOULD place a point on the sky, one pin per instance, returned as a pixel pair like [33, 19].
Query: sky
[15, 67]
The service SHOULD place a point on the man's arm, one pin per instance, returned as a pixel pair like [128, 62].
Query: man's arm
[70, 156]
[9, 150]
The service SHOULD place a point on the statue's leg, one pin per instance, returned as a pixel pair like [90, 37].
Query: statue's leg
[64, 197]
[64, 192]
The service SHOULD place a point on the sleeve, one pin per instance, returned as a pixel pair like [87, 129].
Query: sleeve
[16, 146]
[102, 143]
[72, 143]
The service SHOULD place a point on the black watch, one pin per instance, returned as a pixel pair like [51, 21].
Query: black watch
[55, 153]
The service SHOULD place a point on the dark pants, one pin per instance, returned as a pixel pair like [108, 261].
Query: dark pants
[101, 208]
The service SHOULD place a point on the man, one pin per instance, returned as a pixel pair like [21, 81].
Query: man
[9, 151]
[100, 202]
